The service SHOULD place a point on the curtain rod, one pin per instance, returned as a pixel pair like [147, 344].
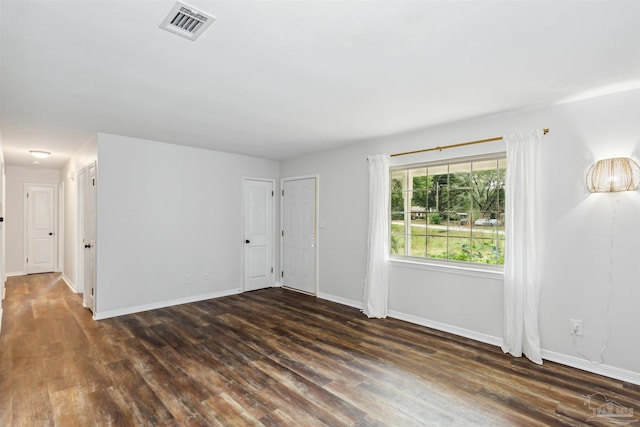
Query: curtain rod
[461, 144]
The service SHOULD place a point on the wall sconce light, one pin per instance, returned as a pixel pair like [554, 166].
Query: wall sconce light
[611, 175]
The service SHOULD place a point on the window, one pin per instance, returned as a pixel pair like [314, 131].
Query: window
[452, 211]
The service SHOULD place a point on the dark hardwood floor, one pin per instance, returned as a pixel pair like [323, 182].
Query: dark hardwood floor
[270, 357]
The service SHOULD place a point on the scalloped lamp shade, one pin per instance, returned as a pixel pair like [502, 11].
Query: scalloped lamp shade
[611, 175]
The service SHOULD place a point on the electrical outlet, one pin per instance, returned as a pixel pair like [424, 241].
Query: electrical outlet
[187, 279]
[575, 327]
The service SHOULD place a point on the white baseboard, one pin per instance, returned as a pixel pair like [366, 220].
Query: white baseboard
[455, 330]
[16, 273]
[163, 304]
[585, 365]
[421, 321]
[340, 300]
[571, 361]
[69, 283]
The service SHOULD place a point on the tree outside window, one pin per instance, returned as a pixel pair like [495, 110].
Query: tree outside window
[451, 211]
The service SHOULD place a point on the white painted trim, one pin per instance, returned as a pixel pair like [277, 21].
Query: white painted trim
[16, 273]
[480, 270]
[455, 330]
[605, 370]
[340, 300]
[81, 194]
[317, 225]
[563, 359]
[69, 284]
[94, 295]
[60, 232]
[163, 304]
[0, 319]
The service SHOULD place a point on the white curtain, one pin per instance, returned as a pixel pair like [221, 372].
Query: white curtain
[522, 248]
[376, 284]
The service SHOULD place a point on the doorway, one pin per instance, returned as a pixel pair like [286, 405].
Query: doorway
[40, 230]
[299, 243]
[258, 195]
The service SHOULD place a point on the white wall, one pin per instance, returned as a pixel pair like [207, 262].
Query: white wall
[165, 211]
[86, 155]
[16, 177]
[3, 270]
[577, 237]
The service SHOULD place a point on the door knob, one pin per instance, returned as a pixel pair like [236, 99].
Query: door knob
[50, 234]
[87, 246]
[247, 241]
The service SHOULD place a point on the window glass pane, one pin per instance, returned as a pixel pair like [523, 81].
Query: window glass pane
[452, 211]
[435, 218]
[500, 251]
[502, 173]
[418, 222]
[459, 249]
[418, 244]
[418, 203]
[487, 251]
[397, 238]
[397, 195]
[400, 175]
[438, 170]
[437, 247]
[457, 230]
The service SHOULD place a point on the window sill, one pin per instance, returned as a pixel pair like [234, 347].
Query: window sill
[484, 271]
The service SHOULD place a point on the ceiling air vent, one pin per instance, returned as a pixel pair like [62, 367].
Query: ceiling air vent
[186, 21]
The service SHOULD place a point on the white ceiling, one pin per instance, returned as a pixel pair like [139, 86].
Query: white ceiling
[277, 79]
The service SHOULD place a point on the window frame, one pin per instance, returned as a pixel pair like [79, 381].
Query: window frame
[437, 264]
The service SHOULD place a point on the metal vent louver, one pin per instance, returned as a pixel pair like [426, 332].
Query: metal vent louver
[186, 21]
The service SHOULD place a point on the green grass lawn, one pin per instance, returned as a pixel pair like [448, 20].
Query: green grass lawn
[483, 245]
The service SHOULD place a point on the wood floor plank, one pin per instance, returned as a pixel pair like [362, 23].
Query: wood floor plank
[144, 403]
[273, 358]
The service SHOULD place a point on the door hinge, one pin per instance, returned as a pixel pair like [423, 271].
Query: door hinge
[273, 194]
[91, 291]
[93, 182]
[27, 195]
[27, 260]
[282, 274]
[282, 233]
[283, 192]
[271, 270]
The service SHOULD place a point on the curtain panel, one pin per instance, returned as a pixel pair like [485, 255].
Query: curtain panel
[522, 246]
[376, 284]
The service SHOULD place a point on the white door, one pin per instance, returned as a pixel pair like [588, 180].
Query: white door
[299, 234]
[41, 227]
[258, 234]
[90, 239]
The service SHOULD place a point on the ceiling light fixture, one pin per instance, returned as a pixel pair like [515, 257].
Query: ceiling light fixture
[40, 154]
[611, 175]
